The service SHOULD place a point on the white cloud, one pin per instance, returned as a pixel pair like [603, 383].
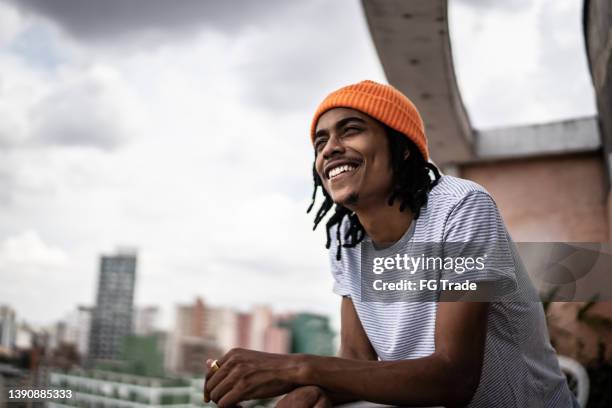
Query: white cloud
[93, 106]
[33, 274]
[520, 67]
[20, 87]
[28, 250]
[195, 150]
[201, 180]
[10, 24]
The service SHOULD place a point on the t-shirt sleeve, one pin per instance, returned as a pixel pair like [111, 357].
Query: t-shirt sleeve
[475, 229]
[339, 273]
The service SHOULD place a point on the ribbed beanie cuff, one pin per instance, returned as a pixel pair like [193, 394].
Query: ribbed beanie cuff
[382, 102]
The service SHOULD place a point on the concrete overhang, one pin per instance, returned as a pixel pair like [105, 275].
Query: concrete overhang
[414, 47]
[413, 44]
[574, 135]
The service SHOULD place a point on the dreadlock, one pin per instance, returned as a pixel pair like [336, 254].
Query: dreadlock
[411, 182]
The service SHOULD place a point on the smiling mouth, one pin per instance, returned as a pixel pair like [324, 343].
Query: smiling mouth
[345, 169]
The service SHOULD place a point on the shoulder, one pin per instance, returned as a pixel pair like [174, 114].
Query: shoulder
[453, 201]
[452, 192]
[471, 213]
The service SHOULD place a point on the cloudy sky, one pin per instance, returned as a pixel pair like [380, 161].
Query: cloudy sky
[180, 128]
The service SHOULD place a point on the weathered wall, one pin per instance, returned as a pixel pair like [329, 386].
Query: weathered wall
[548, 199]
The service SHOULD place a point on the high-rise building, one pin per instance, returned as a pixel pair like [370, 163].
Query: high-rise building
[24, 336]
[277, 340]
[112, 316]
[189, 343]
[78, 324]
[145, 320]
[8, 328]
[243, 330]
[56, 335]
[261, 318]
[220, 324]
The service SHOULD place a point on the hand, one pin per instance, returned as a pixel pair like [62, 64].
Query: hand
[247, 374]
[305, 397]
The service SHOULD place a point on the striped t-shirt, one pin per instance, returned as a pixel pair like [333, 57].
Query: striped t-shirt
[520, 368]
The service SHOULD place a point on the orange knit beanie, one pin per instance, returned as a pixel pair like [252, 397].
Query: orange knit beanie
[382, 102]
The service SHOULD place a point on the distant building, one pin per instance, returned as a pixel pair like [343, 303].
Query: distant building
[310, 334]
[202, 332]
[24, 337]
[56, 335]
[277, 340]
[243, 330]
[78, 325]
[188, 324]
[144, 355]
[192, 340]
[192, 352]
[64, 356]
[220, 327]
[145, 320]
[261, 319]
[8, 328]
[92, 389]
[112, 316]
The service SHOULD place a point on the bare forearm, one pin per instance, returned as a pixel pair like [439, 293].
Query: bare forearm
[425, 381]
[363, 352]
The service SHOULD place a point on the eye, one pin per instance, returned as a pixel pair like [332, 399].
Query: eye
[320, 143]
[352, 129]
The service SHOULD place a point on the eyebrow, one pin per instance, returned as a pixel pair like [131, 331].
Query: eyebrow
[341, 123]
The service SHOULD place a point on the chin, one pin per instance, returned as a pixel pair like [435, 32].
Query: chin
[345, 198]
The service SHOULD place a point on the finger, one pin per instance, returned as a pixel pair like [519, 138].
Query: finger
[285, 402]
[230, 399]
[213, 380]
[225, 357]
[206, 397]
[209, 369]
[223, 388]
[213, 377]
[322, 402]
[298, 398]
[209, 372]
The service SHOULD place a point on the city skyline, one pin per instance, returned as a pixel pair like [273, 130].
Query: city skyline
[199, 331]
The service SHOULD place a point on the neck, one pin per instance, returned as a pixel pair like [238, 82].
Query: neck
[385, 224]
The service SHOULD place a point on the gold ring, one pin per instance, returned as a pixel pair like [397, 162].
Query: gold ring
[214, 366]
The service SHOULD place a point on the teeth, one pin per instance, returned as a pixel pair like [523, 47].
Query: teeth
[339, 170]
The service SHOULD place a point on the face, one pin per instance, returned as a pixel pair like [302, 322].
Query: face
[352, 158]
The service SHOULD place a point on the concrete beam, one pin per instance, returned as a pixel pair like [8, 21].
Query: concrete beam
[568, 136]
[598, 36]
[413, 44]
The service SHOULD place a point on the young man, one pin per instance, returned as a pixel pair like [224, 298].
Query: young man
[371, 160]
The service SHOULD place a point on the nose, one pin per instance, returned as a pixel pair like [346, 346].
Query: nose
[333, 147]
